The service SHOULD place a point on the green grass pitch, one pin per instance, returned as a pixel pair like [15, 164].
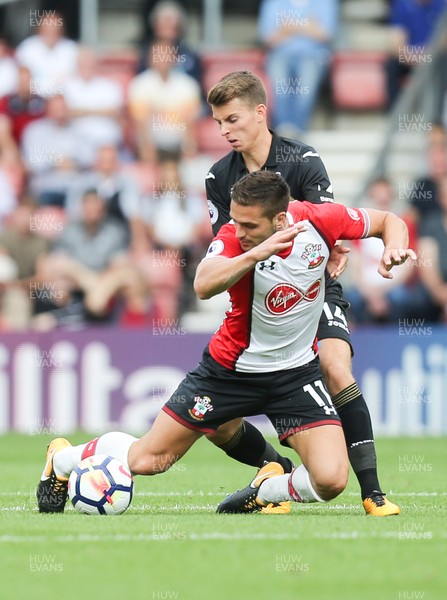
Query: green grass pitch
[171, 545]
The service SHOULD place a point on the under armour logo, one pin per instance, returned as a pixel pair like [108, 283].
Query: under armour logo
[266, 265]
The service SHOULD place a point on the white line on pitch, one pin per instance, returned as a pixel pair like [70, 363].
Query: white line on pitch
[190, 493]
[184, 536]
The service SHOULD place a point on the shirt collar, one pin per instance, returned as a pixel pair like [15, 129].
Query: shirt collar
[272, 159]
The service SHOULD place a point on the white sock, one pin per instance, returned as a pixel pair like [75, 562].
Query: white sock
[295, 486]
[66, 460]
[114, 444]
[275, 489]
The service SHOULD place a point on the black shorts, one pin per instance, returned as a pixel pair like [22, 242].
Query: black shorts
[293, 400]
[333, 320]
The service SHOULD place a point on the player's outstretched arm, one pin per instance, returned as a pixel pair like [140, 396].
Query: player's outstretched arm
[217, 274]
[394, 233]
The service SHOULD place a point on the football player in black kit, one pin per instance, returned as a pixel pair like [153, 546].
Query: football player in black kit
[239, 107]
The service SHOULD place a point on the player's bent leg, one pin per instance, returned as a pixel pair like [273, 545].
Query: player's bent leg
[325, 451]
[154, 453]
[243, 442]
[226, 433]
[162, 446]
[323, 454]
[62, 458]
[335, 364]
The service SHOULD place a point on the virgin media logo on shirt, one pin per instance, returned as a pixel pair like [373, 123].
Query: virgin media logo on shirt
[284, 296]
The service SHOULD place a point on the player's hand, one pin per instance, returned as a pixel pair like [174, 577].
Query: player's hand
[279, 241]
[392, 257]
[338, 260]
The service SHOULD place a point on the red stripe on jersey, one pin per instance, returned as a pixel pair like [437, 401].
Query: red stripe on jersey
[233, 336]
[90, 449]
[179, 419]
[293, 430]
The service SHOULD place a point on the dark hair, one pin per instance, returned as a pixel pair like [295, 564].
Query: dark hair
[238, 84]
[91, 192]
[262, 188]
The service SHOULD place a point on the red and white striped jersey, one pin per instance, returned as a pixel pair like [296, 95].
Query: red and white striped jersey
[275, 308]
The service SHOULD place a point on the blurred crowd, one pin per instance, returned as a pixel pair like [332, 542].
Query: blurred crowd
[98, 222]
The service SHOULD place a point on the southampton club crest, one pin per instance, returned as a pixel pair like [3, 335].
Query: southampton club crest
[201, 407]
[313, 255]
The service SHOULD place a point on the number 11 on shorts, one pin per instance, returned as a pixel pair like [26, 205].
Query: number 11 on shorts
[323, 399]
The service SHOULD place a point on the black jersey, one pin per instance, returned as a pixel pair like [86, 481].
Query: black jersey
[299, 164]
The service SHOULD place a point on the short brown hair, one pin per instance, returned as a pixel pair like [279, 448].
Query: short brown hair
[238, 84]
[263, 188]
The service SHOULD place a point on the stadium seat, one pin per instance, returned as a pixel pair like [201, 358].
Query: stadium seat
[358, 81]
[218, 64]
[124, 60]
[243, 58]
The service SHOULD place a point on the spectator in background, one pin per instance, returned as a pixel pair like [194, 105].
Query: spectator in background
[147, 6]
[424, 195]
[168, 26]
[412, 25]
[53, 152]
[437, 135]
[175, 215]
[432, 253]
[164, 104]
[23, 245]
[8, 70]
[176, 220]
[21, 239]
[120, 192]
[8, 198]
[87, 248]
[49, 55]
[22, 106]
[373, 299]
[80, 296]
[95, 240]
[95, 105]
[298, 37]
[14, 313]
[127, 289]
[12, 172]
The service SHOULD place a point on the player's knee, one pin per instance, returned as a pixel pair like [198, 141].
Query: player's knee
[226, 433]
[217, 438]
[329, 485]
[150, 464]
[337, 373]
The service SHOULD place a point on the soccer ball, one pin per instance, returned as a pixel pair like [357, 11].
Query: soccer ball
[100, 485]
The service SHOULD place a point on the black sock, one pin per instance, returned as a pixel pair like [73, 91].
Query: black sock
[249, 446]
[357, 427]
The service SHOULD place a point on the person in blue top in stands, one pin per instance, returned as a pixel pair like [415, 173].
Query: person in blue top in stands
[413, 23]
[298, 35]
